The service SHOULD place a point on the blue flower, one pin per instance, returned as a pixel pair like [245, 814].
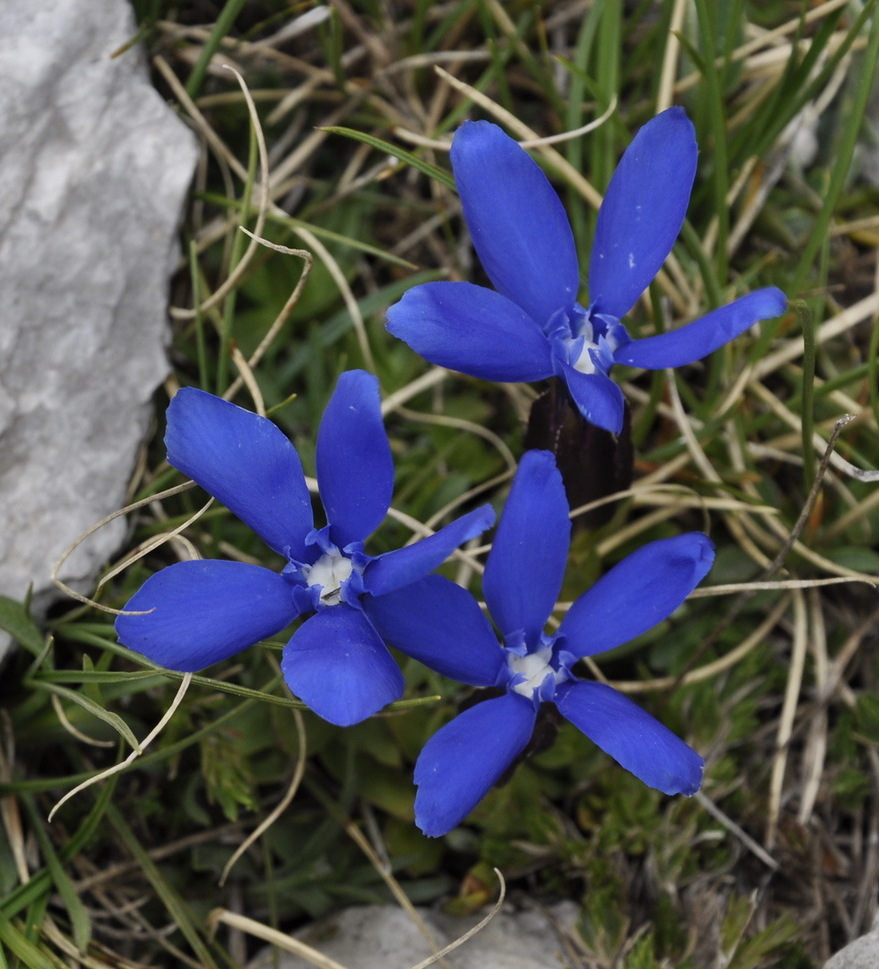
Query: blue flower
[531, 326]
[200, 612]
[522, 581]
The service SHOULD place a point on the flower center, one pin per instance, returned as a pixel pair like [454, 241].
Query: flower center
[587, 341]
[329, 573]
[588, 348]
[533, 674]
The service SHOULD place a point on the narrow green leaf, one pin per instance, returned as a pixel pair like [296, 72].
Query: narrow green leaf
[14, 618]
[80, 922]
[290, 223]
[51, 678]
[221, 28]
[807, 409]
[17, 943]
[404, 156]
[113, 719]
[147, 678]
[177, 907]
[843, 152]
[873, 370]
[157, 755]
[29, 893]
[339, 237]
[715, 102]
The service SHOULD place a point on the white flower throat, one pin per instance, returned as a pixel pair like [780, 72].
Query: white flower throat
[585, 362]
[535, 667]
[585, 340]
[595, 343]
[329, 572]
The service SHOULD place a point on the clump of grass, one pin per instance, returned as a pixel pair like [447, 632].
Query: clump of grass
[771, 671]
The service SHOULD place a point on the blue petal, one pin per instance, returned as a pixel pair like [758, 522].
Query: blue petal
[337, 664]
[355, 470]
[441, 625]
[639, 592]
[703, 336]
[526, 566]
[597, 398]
[461, 762]
[393, 570]
[473, 330]
[517, 222]
[642, 212]
[634, 739]
[245, 462]
[205, 611]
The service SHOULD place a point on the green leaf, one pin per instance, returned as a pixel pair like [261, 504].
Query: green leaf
[16, 620]
[867, 716]
[860, 558]
[228, 778]
[404, 156]
[18, 944]
[29, 893]
[113, 719]
[177, 907]
[79, 920]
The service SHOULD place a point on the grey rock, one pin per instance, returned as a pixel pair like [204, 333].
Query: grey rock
[863, 953]
[93, 171]
[385, 937]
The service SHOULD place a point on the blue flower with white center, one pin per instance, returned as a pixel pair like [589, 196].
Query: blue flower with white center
[531, 326]
[522, 581]
[197, 613]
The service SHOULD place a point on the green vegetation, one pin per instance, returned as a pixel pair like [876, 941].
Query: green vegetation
[770, 670]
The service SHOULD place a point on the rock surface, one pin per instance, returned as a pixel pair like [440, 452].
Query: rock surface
[93, 171]
[863, 953]
[384, 937]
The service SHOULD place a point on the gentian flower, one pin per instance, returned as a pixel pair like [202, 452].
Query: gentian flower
[196, 613]
[531, 326]
[522, 581]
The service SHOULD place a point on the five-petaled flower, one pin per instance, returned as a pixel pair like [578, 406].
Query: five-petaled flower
[445, 629]
[195, 613]
[531, 327]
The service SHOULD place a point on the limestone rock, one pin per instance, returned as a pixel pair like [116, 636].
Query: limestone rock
[863, 953]
[93, 171]
[384, 937]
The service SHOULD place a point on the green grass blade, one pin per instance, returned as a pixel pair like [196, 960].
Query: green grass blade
[399, 153]
[220, 30]
[176, 906]
[40, 883]
[844, 149]
[807, 416]
[716, 113]
[31, 956]
[15, 619]
[80, 922]
[95, 709]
